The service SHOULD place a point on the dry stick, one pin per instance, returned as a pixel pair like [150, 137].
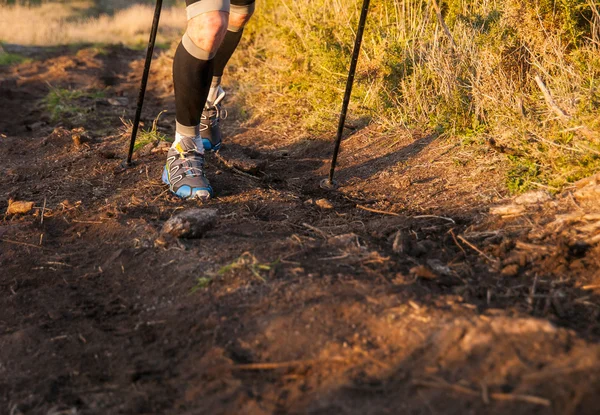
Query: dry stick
[21, 243]
[438, 13]
[43, 210]
[316, 230]
[451, 232]
[282, 365]
[479, 251]
[383, 212]
[434, 217]
[549, 100]
[234, 169]
[497, 396]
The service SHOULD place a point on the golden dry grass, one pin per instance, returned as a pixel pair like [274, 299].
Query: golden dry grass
[66, 23]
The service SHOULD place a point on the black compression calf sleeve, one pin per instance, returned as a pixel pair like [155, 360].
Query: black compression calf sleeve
[192, 78]
[230, 43]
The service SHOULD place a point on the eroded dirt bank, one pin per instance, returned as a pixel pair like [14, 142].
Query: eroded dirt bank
[398, 293]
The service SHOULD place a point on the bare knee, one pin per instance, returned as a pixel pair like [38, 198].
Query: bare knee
[238, 21]
[207, 30]
[239, 16]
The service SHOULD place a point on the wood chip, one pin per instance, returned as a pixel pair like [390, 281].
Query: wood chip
[422, 271]
[18, 207]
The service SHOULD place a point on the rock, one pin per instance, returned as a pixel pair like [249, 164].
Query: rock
[424, 247]
[79, 136]
[439, 267]
[16, 207]
[533, 198]
[510, 270]
[422, 271]
[118, 101]
[348, 240]
[324, 204]
[507, 210]
[402, 243]
[192, 223]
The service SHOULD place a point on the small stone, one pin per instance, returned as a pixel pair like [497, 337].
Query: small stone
[439, 267]
[533, 198]
[507, 210]
[16, 207]
[402, 243]
[422, 271]
[118, 101]
[79, 136]
[348, 240]
[510, 270]
[324, 204]
[192, 223]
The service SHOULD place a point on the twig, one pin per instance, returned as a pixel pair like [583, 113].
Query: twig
[451, 232]
[282, 365]
[473, 247]
[440, 18]
[382, 212]
[21, 243]
[43, 209]
[434, 217]
[233, 168]
[89, 222]
[385, 212]
[314, 229]
[549, 100]
[495, 395]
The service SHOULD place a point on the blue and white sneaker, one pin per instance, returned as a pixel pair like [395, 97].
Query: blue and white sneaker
[210, 130]
[184, 171]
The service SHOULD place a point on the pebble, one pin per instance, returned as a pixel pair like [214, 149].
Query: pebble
[324, 204]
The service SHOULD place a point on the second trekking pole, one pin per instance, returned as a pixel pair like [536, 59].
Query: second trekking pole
[140, 101]
[329, 182]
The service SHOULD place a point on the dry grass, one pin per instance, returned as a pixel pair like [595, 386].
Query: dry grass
[66, 23]
[475, 83]
[520, 75]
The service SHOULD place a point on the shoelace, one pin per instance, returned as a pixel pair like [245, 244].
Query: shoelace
[188, 164]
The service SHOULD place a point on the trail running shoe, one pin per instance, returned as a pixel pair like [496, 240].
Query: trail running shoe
[210, 131]
[184, 171]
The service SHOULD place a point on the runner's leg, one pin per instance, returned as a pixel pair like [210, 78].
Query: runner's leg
[241, 12]
[193, 65]
[193, 68]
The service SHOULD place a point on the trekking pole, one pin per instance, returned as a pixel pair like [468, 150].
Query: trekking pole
[140, 101]
[329, 182]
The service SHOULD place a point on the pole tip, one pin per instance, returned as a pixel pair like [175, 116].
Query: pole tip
[127, 164]
[327, 184]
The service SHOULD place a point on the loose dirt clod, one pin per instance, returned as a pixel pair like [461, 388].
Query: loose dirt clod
[422, 271]
[533, 198]
[193, 223]
[18, 207]
[324, 204]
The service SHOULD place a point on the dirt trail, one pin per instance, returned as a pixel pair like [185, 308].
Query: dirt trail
[399, 293]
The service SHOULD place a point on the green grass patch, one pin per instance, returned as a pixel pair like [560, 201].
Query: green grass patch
[7, 59]
[63, 103]
[145, 136]
[246, 261]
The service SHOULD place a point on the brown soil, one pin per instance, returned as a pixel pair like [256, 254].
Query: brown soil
[405, 295]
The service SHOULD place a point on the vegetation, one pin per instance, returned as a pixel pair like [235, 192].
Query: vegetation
[519, 76]
[64, 103]
[85, 21]
[477, 80]
[11, 58]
